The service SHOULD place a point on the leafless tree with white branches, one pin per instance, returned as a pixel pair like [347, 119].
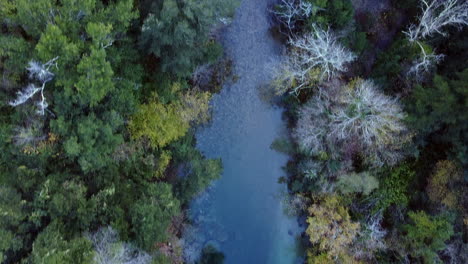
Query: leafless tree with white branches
[424, 63]
[374, 119]
[436, 16]
[321, 48]
[40, 72]
[109, 250]
[358, 113]
[372, 235]
[289, 12]
[316, 56]
[312, 127]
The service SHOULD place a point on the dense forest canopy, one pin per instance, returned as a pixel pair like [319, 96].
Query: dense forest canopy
[376, 95]
[99, 101]
[96, 113]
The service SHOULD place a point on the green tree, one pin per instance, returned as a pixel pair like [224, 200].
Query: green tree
[51, 247]
[90, 140]
[391, 65]
[198, 174]
[95, 80]
[336, 13]
[441, 108]
[426, 235]
[15, 52]
[152, 214]
[177, 31]
[64, 201]
[12, 214]
[394, 188]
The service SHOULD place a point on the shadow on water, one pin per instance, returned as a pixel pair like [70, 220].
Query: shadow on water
[241, 214]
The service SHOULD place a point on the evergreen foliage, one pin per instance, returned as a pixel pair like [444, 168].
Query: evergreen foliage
[99, 151]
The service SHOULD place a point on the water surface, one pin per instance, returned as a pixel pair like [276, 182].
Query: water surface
[242, 212]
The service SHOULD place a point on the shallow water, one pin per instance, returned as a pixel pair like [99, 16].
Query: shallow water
[242, 212]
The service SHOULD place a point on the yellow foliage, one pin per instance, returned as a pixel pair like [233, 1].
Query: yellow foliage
[163, 162]
[330, 227]
[160, 123]
[441, 187]
[195, 106]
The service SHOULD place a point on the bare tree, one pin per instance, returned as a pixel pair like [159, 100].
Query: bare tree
[358, 113]
[374, 119]
[321, 48]
[289, 12]
[436, 16]
[109, 250]
[290, 77]
[313, 124]
[316, 56]
[372, 239]
[424, 63]
[40, 72]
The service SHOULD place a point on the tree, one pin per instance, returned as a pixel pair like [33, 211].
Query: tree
[197, 175]
[318, 49]
[152, 214]
[394, 189]
[195, 106]
[331, 228]
[335, 13]
[314, 57]
[41, 73]
[161, 124]
[374, 119]
[33, 17]
[64, 201]
[95, 80]
[442, 184]
[14, 55]
[109, 250]
[13, 213]
[371, 239]
[392, 66]
[176, 31]
[91, 139]
[426, 235]
[362, 182]
[425, 62]
[290, 12]
[355, 115]
[436, 16]
[51, 247]
[440, 108]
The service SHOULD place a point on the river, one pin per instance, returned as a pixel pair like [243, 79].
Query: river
[242, 212]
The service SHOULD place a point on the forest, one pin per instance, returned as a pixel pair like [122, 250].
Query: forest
[100, 101]
[96, 110]
[376, 98]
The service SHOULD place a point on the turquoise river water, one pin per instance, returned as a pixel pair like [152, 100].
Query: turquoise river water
[242, 212]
